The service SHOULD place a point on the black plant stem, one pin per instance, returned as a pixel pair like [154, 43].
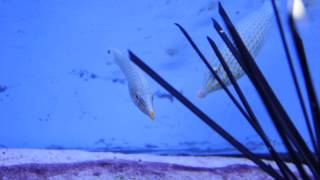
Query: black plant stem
[281, 131]
[202, 57]
[314, 106]
[253, 121]
[205, 118]
[273, 105]
[215, 75]
[294, 76]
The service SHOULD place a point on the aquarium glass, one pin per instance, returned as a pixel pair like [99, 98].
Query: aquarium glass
[60, 89]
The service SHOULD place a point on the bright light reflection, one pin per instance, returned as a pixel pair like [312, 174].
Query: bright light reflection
[298, 9]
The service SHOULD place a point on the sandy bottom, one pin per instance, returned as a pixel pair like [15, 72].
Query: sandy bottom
[70, 164]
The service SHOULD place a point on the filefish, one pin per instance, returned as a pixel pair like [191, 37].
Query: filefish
[138, 87]
[253, 30]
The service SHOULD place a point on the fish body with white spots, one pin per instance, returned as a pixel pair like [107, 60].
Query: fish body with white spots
[138, 87]
[253, 30]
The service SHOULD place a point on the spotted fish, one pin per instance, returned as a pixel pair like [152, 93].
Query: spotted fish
[138, 87]
[253, 30]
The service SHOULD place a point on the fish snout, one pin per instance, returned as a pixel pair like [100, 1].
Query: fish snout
[151, 115]
[201, 94]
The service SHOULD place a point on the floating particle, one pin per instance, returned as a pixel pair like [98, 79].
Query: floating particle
[162, 95]
[118, 80]
[84, 74]
[3, 88]
[172, 51]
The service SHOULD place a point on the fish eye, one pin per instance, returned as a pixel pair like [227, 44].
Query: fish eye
[136, 96]
[139, 101]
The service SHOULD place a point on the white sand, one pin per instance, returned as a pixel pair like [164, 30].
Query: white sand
[41, 156]
[142, 166]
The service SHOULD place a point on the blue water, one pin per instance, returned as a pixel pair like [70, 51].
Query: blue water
[60, 89]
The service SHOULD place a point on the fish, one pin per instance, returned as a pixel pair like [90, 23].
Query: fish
[139, 90]
[253, 29]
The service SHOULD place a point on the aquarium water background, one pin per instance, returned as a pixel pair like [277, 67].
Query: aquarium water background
[59, 88]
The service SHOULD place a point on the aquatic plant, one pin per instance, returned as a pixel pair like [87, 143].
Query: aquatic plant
[298, 151]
